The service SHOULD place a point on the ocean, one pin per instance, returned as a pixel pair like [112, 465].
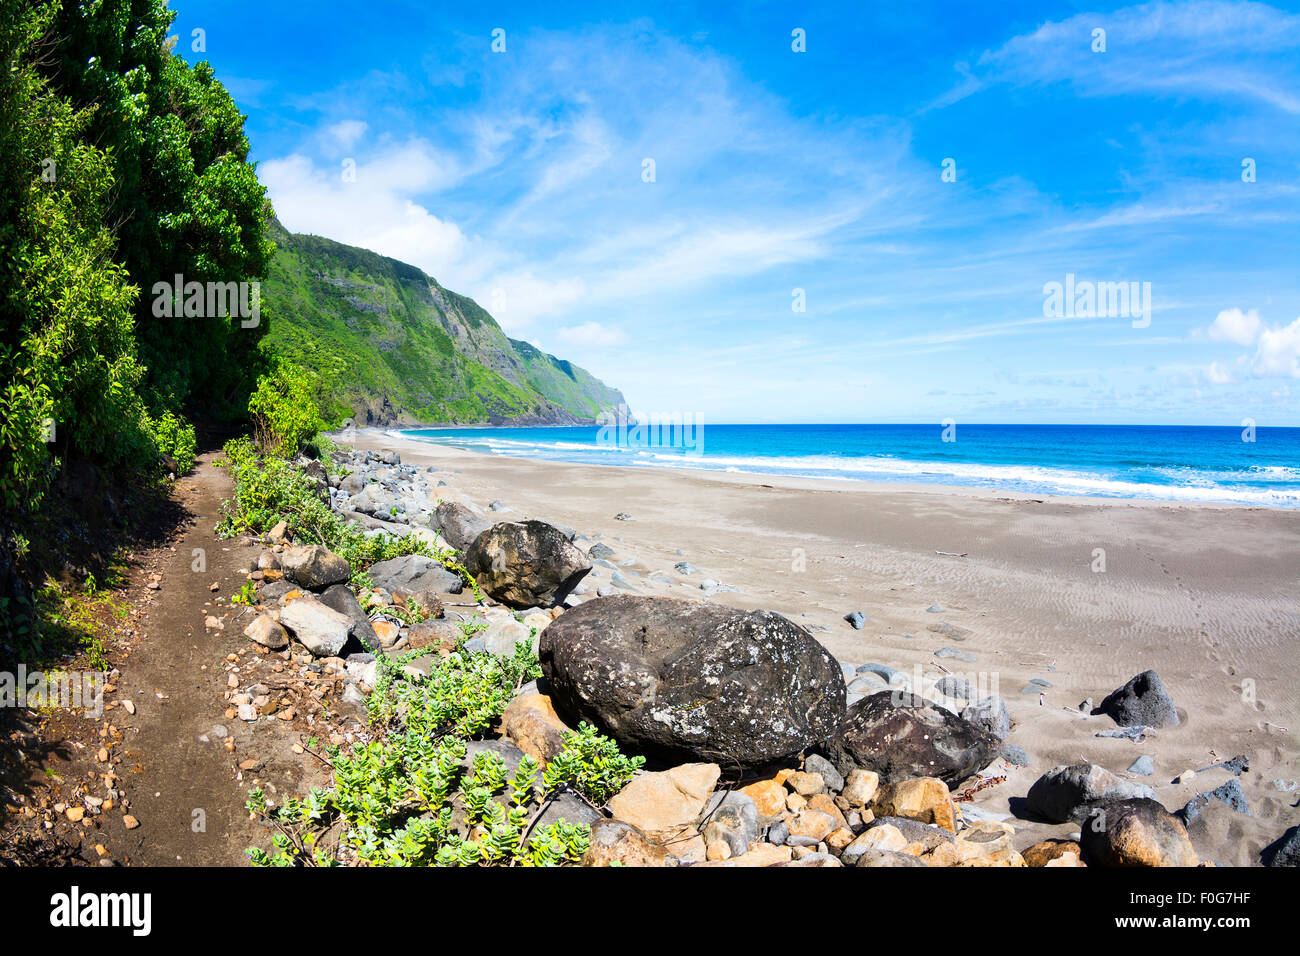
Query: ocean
[1169, 463]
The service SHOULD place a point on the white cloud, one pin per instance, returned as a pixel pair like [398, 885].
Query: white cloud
[1233, 325]
[1278, 355]
[1218, 374]
[346, 133]
[592, 334]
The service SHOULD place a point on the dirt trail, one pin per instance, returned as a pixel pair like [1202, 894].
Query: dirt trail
[184, 792]
[181, 763]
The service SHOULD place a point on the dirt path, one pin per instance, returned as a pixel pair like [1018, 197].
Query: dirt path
[184, 792]
[168, 755]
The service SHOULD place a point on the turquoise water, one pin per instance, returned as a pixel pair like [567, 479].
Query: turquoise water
[1173, 463]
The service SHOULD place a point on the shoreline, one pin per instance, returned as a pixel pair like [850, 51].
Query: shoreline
[857, 485]
[1048, 600]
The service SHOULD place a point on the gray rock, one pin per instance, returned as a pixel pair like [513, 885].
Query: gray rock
[1228, 792]
[265, 631]
[1285, 851]
[928, 835]
[991, 714]
[341, 599]
[1065, 794]
[857, 619]
[499, 506]
[731, 817]
[1016, 756]
[886, 673]
[778, 833]
[684, 679]
[951, 686]
[956, 654]
[820, 765]
[1142, 701]
[313, 567]
[1144, 766]
[685, 567]
[934, 609]
[459, 525]
[949, 630]
[415, 574]
[600, 550]
[501, 635]
[320, 629]
[1235, 766]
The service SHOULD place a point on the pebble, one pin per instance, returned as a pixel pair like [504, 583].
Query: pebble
[934, 609]
[956, 654]
[857, 619]
[1144, 766]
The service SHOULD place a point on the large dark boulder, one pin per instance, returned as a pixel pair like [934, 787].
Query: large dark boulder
[1142, 702]
[692, 681]
[526, 563]
[459, 525]
[899, 736]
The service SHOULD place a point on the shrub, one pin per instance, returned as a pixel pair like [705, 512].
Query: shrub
[174, 437]
[284, 412]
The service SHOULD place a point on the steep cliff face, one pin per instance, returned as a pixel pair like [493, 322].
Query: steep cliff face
[392, 346]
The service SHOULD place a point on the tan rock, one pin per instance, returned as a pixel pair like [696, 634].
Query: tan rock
[769, 799]
[860, 786]
[1003, 857]
[1066, 859]
[531, 724]
[822, 802]
[805, 784]
[386, 631]
[718, 850]
[944, 854]
[794, 802]
[1043, 853]
[884, 837]
[265, 630]
[984, 838]
[614, 841]
[666, 805]
[763, 854]
[926, 799]
[837, 840]
[812, 824]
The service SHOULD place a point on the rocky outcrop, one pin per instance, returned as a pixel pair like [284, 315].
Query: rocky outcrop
[693, 681]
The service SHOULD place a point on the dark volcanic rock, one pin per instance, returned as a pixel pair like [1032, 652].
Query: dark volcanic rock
[900, 736]
[1229, 792]
[695, 681]
[1135, 833]
[526, 563]
[1143, 702]
[1285, 850]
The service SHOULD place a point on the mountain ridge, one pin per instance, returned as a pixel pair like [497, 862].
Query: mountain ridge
[389, 345]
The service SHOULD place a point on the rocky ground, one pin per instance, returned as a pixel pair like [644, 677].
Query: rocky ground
[764, 749]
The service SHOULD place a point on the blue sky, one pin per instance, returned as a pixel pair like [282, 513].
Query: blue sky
[517, 178]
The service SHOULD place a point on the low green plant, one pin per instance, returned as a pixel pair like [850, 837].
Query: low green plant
[285, 416]
[591, 764]
[411, 798]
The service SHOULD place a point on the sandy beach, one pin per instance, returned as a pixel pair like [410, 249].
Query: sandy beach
[1205, 595]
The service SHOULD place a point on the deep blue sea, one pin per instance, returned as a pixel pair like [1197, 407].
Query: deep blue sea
[1173, 463]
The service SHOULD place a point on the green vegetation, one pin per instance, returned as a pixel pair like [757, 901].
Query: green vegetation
[370, 329]
[406, 799]
[284, 412]
[120, 166]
